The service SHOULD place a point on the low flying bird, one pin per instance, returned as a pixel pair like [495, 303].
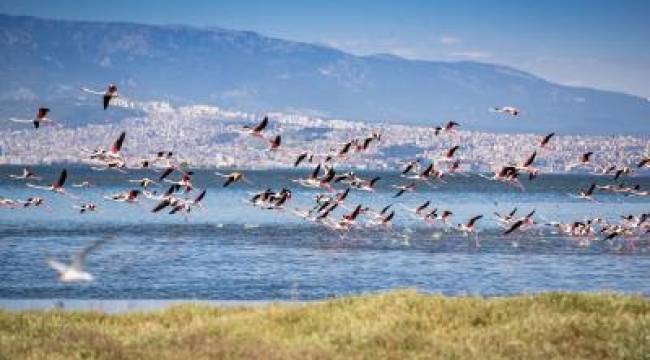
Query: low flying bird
[82, 184]
[401, 189]
[624, 171]
[144, 182]
[586, 157]
[86, 207]
[506, 219]
[468, 228]
[349, 219]
[347, 178]
[411, 166]
[112, 158]
[302, 157]
[258, 129]
[424, 175]
[451, 126]
[519, 224]
[365, 185]
[583, 160]
[384, 219]
[75, 272]
[422, 207]
[546, 139]
[645, 162]
[587, 193]
[26, 175]
[526, 166]
[605, 169]
[56, 187]
[444, 217]
[33, 201]
[508, 175]
[509, 110]
[168, 199]
[8, 203]
[454, 167]
[516, 225]
[450, 153]
[130, 196]
[187, 205]
[274, 143]
[185, 181]
[313, 181]
[233, 177]
[345, 149]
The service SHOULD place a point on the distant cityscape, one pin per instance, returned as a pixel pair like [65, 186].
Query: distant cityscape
[209, 137]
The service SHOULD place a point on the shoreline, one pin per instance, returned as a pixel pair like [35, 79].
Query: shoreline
[117, 306]
[124, 306]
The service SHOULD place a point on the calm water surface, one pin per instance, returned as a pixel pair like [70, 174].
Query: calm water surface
[232, 251]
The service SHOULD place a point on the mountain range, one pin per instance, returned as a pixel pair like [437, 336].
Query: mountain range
[46, 61]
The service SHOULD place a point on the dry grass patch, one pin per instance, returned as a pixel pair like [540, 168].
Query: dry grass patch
[395, 325]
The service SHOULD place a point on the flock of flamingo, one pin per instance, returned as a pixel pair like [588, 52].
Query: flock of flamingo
[171, 189]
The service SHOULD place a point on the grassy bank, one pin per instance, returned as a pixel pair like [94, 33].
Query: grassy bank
[396, 325]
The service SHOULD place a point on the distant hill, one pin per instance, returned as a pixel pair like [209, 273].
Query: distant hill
[46, 61]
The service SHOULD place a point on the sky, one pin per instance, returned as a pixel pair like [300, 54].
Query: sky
[595, 43]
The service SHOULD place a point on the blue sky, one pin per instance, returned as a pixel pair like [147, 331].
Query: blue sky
[596, 43]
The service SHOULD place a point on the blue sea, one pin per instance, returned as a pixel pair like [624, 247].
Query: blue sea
[230, 250]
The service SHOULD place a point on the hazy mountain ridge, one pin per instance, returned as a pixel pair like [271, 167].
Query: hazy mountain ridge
[47, 60]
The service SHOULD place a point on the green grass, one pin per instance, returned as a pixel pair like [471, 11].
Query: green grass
[395, 325]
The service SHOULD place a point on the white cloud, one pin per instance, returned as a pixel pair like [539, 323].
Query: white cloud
[471, 54]
[105, 62]
[449, 40]
[20, 94]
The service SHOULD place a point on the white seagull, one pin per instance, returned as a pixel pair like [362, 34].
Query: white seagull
[74, 272]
